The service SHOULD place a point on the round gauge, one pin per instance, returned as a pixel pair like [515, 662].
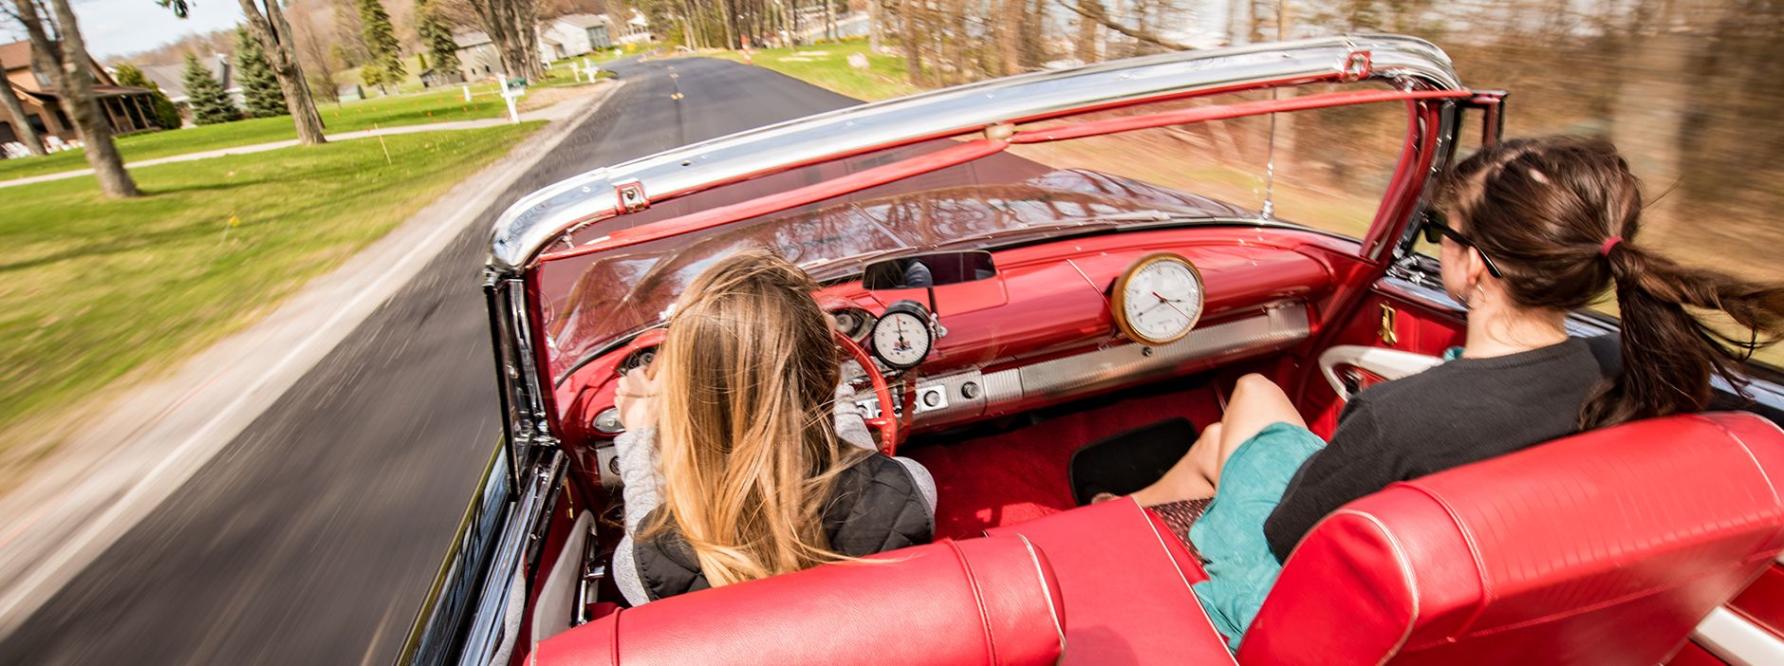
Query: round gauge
[854, 322]
[1158, 299]
[901, 338]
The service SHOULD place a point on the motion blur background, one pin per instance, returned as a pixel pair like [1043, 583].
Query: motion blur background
[1688, 89]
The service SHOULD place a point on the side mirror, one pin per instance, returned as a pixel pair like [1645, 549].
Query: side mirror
[928, 270]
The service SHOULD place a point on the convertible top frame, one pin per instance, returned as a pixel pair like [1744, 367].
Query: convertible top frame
[526, 228]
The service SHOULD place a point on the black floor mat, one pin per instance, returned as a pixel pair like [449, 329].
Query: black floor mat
[1123, 463]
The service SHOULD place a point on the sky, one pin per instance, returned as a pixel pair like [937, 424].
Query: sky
[116, 27]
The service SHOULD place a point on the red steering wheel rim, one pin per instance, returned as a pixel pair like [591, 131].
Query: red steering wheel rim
[886, 423]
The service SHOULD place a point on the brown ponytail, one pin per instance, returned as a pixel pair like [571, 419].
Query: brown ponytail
[1560, 216]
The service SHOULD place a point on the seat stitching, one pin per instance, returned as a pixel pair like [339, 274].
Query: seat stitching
[1404, 563]
[1749, 451]
[1180, 576]
[972, 582]
[614, 652]
[1480, 565]
[1046, 591]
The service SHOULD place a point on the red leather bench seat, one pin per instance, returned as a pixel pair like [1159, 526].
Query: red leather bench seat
[1125, 580]
[1603, 548]
[982, 601]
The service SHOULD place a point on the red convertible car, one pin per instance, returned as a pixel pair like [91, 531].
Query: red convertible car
[1039, 206]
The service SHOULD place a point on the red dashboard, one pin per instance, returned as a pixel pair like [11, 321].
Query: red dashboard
[1042, 330]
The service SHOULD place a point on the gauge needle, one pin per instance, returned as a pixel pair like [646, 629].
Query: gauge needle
[1162, 299]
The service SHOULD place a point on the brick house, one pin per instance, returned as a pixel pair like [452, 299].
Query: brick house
[126, 109]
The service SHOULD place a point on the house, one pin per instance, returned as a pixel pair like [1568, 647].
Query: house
[635, 30]
[172, 80]
[573, 35]
[477, 56]
[126, 109]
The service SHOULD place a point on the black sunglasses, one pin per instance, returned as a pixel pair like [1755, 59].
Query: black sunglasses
[1436, 228]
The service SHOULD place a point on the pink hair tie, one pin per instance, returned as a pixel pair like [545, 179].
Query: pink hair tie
[1605, 249]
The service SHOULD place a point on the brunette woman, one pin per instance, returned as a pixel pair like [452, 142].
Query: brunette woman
[1530, 230]
[742, 458]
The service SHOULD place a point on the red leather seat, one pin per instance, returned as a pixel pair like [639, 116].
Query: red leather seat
[1606, 547]
[1126, 583]
[983, 601]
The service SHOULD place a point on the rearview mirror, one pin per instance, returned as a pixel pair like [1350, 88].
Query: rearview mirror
[928, 270]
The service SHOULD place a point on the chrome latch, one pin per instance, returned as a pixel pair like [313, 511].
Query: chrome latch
[1388, 333]
[1357, 66]
[631, 196]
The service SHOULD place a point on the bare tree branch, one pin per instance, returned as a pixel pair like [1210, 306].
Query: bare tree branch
[1095, 12]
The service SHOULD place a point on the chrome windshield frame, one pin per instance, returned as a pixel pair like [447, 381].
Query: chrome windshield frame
[537, 220]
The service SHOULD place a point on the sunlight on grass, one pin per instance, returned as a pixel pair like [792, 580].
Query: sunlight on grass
[433, 107]
[827, 66]
[101, 288]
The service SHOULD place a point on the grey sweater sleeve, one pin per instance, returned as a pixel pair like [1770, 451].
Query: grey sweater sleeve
[636, 451]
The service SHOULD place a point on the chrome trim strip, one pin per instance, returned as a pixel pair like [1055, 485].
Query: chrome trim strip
[1280, 325]
[1046, 591]
[535, 220]
[1736, 640]
[525, 517]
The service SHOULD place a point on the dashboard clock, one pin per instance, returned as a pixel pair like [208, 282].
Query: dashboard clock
[902, 337]
[1158, 299]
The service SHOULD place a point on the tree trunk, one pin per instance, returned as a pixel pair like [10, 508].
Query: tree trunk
[908, 35]
[875, 14]
[16, 111]
[276, 39]
[68, 61]
[1009, 37]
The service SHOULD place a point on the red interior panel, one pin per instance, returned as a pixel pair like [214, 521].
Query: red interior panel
[1763, 601]
[1417, 328]
[1021, 475]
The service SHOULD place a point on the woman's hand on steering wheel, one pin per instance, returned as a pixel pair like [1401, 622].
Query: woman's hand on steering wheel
[886, 422]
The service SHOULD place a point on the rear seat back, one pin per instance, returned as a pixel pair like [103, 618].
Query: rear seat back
[983, 601]
[1606, 547]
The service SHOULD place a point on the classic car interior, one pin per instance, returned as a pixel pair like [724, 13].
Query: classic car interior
[994, 360]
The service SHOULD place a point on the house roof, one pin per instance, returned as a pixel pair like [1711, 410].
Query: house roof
[172, 78]
[466, 40]
[15, 55]
[583, 20]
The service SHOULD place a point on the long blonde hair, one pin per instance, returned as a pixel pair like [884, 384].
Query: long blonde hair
[748, 449]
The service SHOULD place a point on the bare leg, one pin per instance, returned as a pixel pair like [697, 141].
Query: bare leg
[1256, 402]
[1191, 477]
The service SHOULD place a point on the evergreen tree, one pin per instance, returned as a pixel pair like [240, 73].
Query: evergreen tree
[210, 104]
[167, 116]
[436, 37]
[380, 40]
[260, 87]
[372, 74]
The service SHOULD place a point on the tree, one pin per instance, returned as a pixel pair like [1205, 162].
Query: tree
[380, 40]
[65, 60]
[261, 95]
[436, 37]
[510, 25]
[372, 74]
[210, 104]
[15, 113]
[279, 43]
[166, 114]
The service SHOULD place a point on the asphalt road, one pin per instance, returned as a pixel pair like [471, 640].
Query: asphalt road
[311, 538]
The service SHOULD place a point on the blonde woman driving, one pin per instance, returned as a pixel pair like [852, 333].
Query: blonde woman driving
[742, 456]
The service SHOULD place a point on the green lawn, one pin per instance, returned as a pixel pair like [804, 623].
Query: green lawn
[827, 66]
[431, 107]
[97, 289]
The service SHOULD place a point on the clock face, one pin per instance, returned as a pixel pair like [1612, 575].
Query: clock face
[901, 339]
[1159, 299]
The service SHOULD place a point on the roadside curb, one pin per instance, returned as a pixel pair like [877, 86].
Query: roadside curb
[145, 444]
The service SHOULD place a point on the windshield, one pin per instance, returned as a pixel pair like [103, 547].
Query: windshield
[1213, 171]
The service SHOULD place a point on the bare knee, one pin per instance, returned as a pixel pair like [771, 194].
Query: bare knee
[1254, 383]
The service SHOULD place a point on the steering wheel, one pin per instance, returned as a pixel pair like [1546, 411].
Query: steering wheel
[887, 421]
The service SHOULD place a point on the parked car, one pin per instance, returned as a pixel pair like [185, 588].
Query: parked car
[1031, 238]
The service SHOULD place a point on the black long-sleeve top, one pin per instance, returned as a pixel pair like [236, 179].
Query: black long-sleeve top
[1463, 411]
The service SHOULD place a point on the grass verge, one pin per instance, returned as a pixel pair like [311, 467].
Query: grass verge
[432, 107]
[827, 66]
[98, 289]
